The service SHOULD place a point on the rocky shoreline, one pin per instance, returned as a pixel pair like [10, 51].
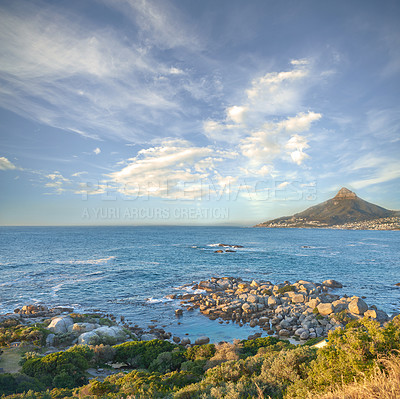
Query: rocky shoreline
[301, 310]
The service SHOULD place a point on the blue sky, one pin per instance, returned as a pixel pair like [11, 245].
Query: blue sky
[195, 112]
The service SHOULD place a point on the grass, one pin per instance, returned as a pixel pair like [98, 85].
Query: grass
[9, 360]
[383, 384]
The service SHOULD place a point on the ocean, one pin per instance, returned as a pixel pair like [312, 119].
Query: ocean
[129, 270]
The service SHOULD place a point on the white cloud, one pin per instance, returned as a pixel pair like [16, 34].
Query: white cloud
[236, 113]
[97, 151]
[5, 164]
[277, 140]
[174, 169]
[299, 123]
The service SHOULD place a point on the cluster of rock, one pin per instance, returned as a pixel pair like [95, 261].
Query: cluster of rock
[304, 309]
[228, 248]
[85, 333]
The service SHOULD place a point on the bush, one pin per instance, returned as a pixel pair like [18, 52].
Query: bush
[103, 354]
[200, 352]
[167, 362]
[60, 369]
[286, 288]
[250, 347]
[350, 353]
[140, 354]
[15, 383]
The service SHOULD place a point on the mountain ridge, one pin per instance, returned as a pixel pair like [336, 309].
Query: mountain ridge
[344, 208]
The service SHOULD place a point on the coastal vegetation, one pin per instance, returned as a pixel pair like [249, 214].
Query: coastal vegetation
[354, 359]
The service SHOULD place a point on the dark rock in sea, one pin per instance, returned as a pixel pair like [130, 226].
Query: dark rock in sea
[219, 251]
[178, 312]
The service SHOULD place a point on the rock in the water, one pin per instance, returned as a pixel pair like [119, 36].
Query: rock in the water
[178, 312]
[202, 340]
[60, 324]
[358, 306]
[325, 309]
[332, 284]
[176, 339]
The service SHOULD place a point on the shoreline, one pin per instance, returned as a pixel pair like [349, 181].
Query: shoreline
[299, 311]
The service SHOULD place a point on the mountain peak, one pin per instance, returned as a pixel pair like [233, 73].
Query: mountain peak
[345, 193]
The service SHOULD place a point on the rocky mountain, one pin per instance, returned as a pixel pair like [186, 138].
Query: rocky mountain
[345, 208]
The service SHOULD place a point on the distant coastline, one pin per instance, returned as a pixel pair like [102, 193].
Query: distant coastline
[389, 223]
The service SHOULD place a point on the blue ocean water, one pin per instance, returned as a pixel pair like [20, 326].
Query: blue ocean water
[129, 270]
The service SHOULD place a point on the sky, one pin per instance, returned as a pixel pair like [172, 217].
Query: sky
[142, 112]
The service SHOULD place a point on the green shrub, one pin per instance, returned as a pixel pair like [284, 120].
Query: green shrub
[16, 383]
[349, 353]
[286, 288]
[250, 347]
[61, 369]
[167, 362]
[200, 352]
[140, 354]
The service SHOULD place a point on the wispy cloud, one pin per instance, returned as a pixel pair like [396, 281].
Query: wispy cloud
[5, 164]
[83, 78]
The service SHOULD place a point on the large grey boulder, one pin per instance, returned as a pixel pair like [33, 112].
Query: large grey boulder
[60, 324]
[89, 338]
[102, 335]
[358, 306]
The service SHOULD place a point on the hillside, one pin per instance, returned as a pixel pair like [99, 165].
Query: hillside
[345, 209]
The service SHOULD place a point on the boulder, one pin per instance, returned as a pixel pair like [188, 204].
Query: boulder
[358, 306]
[298, 298]
[313, 303]
[107, 335]
[332, 284]
[148, 337]
[202, 340]
[273, 301]
[89, 338]
[304, 335]
[375, 314]
[252, 298]
[81, 328]
[185, 341]
[176, 339]
[325, 309]
[60, 324]
[50, 340]
[284, 333]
